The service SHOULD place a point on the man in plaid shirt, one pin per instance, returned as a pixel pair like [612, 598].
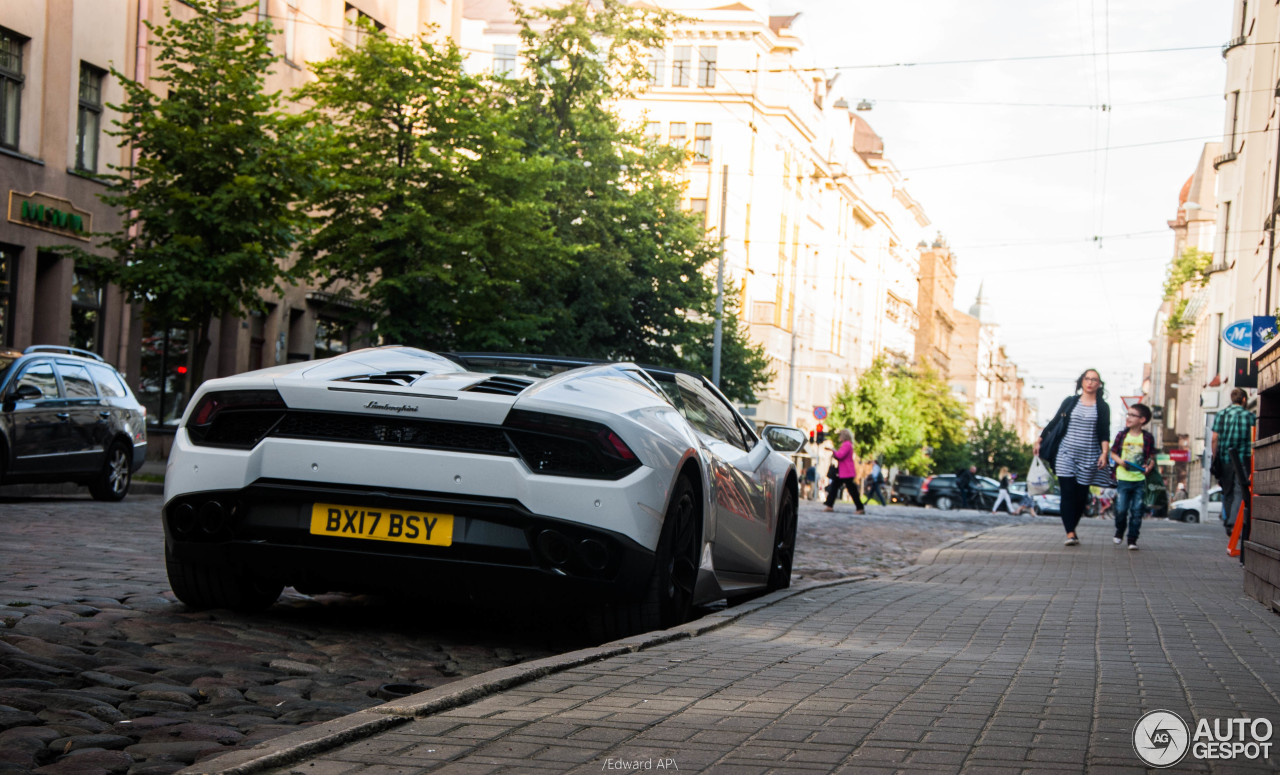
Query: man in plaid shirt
[1233, 445]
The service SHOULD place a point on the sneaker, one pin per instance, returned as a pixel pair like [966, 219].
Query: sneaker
[1133, 547]
[1071, 541]
[1117, 540]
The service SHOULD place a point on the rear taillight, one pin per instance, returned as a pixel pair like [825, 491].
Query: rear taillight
[565, 446]
[234, 418]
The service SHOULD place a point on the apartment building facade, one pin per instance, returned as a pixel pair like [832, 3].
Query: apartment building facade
[56, 87]
[819, 230]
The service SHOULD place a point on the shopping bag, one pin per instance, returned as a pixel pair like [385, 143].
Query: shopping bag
[1038, 482]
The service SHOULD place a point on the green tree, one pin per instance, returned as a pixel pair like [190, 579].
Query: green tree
[641, 288]
[882, 411]
[945, 422]
[210, 203]
[994, 445]
[432, 212]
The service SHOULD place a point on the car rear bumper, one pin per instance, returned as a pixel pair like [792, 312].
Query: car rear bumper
[496, 546]
[139, 455]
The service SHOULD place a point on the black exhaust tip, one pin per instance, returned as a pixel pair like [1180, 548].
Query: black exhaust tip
[554, 547]
[593, 554]
[182, 518]
[212, 517]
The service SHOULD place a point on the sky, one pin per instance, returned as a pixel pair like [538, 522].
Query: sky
[1058, 208]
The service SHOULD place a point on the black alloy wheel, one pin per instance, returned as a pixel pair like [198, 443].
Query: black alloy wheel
[677, 566]
[784, 542]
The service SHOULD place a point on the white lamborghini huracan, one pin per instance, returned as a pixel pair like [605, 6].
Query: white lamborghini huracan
[639, 490]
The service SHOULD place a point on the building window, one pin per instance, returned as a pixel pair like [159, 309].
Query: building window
[679, 134]
[166, 357]
[333, 337]
[86, 312]
[8, 267]
[89, 120]
[699, 206]
[354, 31]
[707, 66]
[291, 34]
[702, 142]
[504, 59]
[653, 130]
[681, 62]
[657, 60]
[10, 86]
[1235, 120]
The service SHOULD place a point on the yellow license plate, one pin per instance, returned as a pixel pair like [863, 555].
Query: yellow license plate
[409, 527]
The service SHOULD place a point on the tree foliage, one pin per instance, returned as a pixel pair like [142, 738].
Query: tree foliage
[945, 422]
[517, 213]
[994, 445]
[431, 212]
[209, 204]
[1191, 266]
[905, 416]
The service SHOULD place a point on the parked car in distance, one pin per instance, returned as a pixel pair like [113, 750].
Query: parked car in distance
[1188, 509]
[941, 492]
[67, 416]
[906, 489]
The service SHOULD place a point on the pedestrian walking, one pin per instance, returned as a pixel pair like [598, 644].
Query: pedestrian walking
[1003, 495]
[877, 483]
[964, 485]
[1233, 445]
[1134, 454]
[1076, 442]
[846, 472]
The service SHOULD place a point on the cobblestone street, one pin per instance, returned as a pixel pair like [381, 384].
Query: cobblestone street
[102, 670]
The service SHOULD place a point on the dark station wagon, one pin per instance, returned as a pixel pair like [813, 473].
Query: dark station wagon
[67, 416]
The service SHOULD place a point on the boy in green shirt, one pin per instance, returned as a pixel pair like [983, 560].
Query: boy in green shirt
[1134, 454]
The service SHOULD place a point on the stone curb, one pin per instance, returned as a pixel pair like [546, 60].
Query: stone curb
[291, 748]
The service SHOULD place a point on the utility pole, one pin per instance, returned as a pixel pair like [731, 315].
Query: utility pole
[718, 341]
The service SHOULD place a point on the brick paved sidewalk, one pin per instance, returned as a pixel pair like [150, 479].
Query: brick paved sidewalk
[1006, 652]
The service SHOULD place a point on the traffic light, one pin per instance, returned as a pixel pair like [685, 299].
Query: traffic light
[822, 434]
[810, 437]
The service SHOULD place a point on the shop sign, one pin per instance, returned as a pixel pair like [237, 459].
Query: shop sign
[1239, 335]
[50, 213]
[1180, 455]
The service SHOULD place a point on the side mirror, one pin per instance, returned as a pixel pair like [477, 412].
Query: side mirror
[28, 392]
[784, 438]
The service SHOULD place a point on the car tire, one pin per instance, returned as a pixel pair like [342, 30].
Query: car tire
[784, 543]
[945, 503]
[668, 600]
[1190, 516]
[208, 586]
[112, 482]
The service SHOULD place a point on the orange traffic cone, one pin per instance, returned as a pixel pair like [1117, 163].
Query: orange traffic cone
[1233, 545]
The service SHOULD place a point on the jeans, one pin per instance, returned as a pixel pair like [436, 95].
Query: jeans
[1129, 507]
[1235, 491]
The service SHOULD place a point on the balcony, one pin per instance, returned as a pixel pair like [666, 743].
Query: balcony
[1224, 158]
[1233, 43]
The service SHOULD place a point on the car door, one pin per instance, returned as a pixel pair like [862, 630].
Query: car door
[38, 426]
[87, 428]
[744, 528]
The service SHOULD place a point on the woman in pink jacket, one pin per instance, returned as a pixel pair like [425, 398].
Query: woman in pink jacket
[847, 472]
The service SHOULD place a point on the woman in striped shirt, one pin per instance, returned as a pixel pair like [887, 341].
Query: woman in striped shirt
[1080, 438]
